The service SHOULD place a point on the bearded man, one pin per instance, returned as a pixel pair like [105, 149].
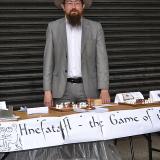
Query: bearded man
[75, 57]
[76, 68]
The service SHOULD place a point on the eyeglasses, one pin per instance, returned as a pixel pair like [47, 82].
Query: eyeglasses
[77, 3]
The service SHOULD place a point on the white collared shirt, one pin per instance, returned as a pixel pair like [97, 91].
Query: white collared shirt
[74, 35]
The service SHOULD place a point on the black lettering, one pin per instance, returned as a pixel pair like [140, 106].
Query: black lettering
[158, 115]
[128, 119]
[148, 117]
[48, 130]
[53, 128]
[37, 131]
[42, 129]
[145, 118]
[67, 125]
[113, 120]
[31, 131]
[58, 129]
[23, 129]
[121, 121]
[136, 119]
[147, 111]
[94, 123]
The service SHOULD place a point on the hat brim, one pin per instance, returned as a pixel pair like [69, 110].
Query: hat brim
[58, 3]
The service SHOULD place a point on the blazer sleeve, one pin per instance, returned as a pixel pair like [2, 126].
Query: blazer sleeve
[48, 60]
[102, 60]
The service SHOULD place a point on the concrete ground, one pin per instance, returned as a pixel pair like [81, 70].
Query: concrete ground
[140, 146]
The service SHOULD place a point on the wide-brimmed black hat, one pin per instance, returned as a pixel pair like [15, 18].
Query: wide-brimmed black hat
[58, 3]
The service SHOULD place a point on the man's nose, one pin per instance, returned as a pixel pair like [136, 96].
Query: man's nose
[73, 5]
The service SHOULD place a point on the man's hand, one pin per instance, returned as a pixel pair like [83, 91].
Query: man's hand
[104, 96]
[48, 99]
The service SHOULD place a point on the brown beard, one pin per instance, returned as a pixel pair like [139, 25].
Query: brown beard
[74, 18]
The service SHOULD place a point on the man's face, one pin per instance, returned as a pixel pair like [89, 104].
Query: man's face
[73, 10]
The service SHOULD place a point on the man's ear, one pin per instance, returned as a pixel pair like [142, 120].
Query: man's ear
[83, 6]
[62, 6]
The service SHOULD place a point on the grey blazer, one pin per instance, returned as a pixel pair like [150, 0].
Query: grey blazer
[94, 58]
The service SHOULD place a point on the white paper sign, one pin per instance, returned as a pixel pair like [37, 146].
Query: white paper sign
[83, 127]
[37, 110]
[3, 105]
[155, 95]
[128, 97]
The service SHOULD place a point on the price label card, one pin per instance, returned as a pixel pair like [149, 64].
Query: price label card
[155, 95]
[3, 105]
[127, 97]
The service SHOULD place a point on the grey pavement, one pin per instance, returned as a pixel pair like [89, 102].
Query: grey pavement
[140, 147]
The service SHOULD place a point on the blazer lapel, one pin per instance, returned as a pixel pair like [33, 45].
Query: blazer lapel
[63, 42]
[85, 32]
[63, 35]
